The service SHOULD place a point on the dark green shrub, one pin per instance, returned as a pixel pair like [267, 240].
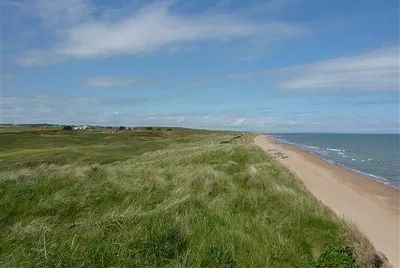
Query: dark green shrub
[149, 128]
[67, 128]
[337, 257]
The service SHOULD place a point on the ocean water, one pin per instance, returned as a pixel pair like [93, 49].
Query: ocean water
[374, 155]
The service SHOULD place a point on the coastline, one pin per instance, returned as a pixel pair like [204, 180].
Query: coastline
[302, 148]
[373, 206]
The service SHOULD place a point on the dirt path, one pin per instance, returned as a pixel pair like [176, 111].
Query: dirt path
[374, 207]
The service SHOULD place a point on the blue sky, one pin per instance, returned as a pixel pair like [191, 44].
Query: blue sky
[273, 65]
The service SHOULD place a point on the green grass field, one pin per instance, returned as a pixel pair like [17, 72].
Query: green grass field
[161, 199]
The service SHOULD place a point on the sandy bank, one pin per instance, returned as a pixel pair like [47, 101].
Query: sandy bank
[374, 207]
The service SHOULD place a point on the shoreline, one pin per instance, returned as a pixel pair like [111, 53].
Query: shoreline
[372, 177]
[357, 179]
[373, 206]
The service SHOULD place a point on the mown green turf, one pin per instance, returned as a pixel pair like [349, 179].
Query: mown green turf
[146, 200]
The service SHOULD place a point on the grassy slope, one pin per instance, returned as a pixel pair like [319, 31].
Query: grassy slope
[148, 199]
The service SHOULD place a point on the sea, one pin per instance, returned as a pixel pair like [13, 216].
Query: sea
[376, 156]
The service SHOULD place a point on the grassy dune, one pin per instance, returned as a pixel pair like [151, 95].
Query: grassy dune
[158, 199]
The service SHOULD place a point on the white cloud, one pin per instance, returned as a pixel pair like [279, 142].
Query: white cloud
[87, 100]
[107, 81]
[148, 29]
[239, 122]
[216, 121]
[374, 71]
[52, 13]
[40, 109]
[144, 82]
[33, 57]
[10, 100]
[151, 30]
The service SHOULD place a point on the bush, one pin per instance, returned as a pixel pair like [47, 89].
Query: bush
[121, 128]
[67, 128]
[337, 257]
[149, 128]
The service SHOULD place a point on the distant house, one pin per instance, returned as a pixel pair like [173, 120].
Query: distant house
[81, 128]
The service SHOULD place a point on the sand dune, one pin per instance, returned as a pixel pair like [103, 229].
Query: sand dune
[374, 207]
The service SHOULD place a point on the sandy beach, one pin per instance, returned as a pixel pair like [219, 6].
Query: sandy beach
[373, 206]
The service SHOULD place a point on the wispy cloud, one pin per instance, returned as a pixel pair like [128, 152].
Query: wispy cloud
[373, 71]
[33, 57]
[143, 82]
[377, 70]
[5, 75]
[276, 123]
[253, 7]
[271, 6]
[61, 13]
[107, 81]
[125, 82]
[111, 111]
[52, 109]
[377, 102]
[356, 101]
[150, 28]
[53, 13]
[216, 121]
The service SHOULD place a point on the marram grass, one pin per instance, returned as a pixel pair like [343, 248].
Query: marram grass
[176, 201]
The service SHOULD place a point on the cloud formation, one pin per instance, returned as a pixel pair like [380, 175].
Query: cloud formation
[148, 29]
[373, 71]
[61, 13]
[112, 111]
[107, 81]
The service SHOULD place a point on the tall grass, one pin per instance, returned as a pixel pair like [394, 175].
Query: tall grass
[189, 204]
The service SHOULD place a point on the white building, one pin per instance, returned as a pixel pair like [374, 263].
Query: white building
[81, 128]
